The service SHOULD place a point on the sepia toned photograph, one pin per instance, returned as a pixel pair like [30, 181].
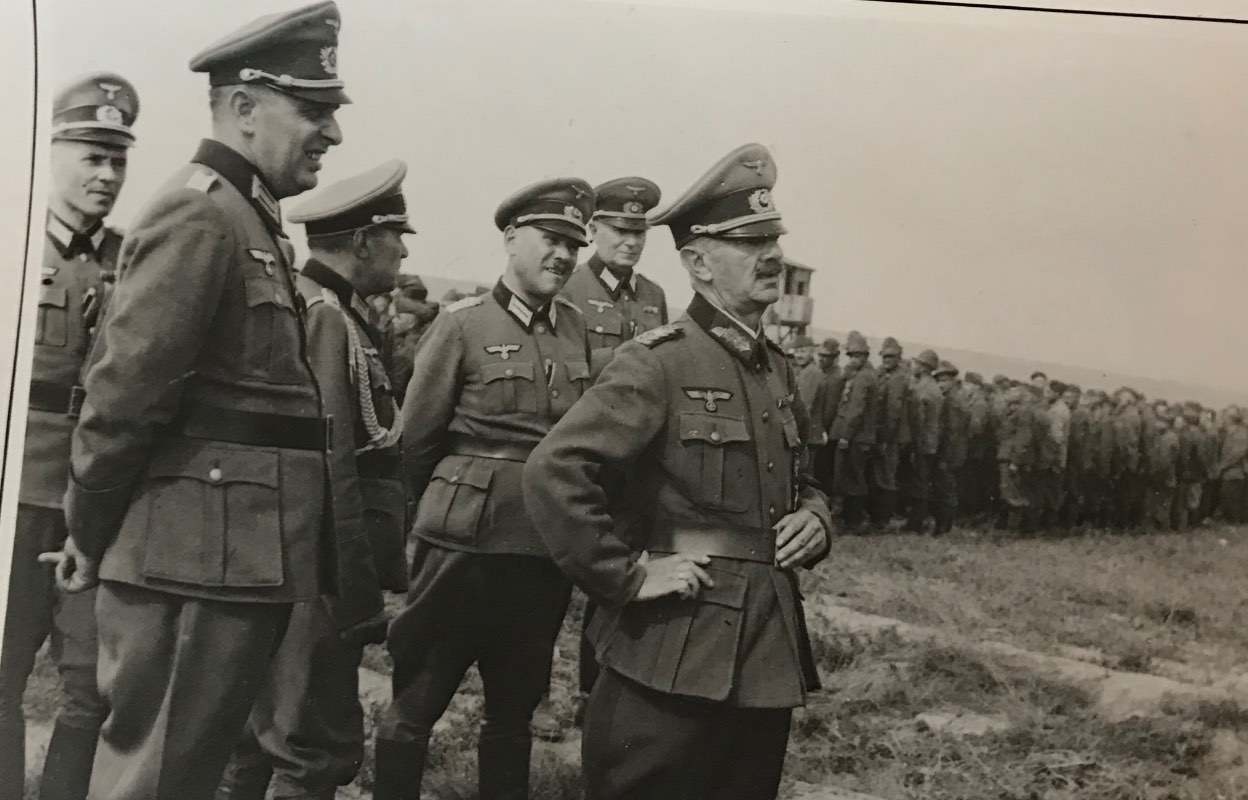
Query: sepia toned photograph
[564, 399]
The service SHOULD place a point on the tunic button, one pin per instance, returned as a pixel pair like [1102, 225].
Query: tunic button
[771, 510]
[268, 270]
[766, 416]
[454, 479]
[771, 465]
[509, 372]
[554, 392]
[214, 474]
[714, 436]
[541, 328]
[597, 329]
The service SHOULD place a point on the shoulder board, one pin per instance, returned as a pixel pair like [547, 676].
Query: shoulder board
[327, 297]
[566, 302]
[467, 302]
[201, 180]
[112, 230]
[656, 336]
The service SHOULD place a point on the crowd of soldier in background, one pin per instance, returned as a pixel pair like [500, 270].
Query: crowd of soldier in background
[915, 438]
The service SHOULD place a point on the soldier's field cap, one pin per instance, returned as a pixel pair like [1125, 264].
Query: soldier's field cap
[945, 368]
[802, 340]
[295, 52]
[100, 108]
[928, 358]
[623, 202]
[1000, 380]
[974, 378]
[732, 200]
[856, 343]
[560, 205]
[371, 198]
[830, 347]
[890, 347]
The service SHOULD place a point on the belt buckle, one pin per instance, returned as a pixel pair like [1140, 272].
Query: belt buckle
[77, 396]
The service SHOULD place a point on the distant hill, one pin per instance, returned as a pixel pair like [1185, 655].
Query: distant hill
[986, 364]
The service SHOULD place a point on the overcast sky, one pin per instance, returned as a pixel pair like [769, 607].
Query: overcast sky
[1070, 189]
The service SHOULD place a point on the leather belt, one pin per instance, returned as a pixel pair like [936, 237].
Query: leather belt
[461, 444]
[377, 464]
[741, 543]
[56, 398]
[254, 428]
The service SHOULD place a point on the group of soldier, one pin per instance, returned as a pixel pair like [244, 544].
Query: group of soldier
[915, 438]
[229, 461]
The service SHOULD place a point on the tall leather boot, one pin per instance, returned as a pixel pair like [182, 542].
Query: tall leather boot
[398, 768]
[503, 762]
[67, 770]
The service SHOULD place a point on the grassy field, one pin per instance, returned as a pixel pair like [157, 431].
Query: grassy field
[904, 720]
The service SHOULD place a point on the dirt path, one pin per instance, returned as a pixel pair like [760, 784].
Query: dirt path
[1119, 694]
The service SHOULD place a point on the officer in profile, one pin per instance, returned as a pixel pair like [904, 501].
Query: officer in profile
[700, 630]
[307, 728]
[198, 470]
[493, 373]
[91, 137]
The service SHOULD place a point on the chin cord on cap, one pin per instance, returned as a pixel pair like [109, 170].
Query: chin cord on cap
[727, 225]
[378, 220]
[249, 74]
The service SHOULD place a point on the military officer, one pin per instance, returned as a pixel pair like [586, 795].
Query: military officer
[1050, 472]
[491, 376]
[1232, 469]
[91, 136]
[1162, 465]
[924, 416]
[198, 462]
[893, 389]
[618, 302]
[852, 432]
[700, 630]
[980, 468]
[307, 728]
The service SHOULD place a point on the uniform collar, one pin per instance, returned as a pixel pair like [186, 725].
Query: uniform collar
[749, 347]
[347, 295]
[520, 310]
[70, 242]
[243, 175]
[609, 281]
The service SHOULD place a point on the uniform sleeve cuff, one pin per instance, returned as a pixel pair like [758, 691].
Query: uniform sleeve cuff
[93, 516]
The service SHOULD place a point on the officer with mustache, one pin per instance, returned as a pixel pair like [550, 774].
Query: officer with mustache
[491, 376]
[700, 629]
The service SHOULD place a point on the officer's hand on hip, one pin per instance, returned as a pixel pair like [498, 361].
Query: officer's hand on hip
[75, 572]
[675, 574]
[799, 536]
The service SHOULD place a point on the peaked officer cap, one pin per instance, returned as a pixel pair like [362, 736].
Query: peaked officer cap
[830, 346]
[945, 368]
[929, 359]
[732, 200]
[802, 340]
[371, 198]
[561, 206]
[890, 347]
[623, 202]
[855, 342]
[100, 107]
[295, 52]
